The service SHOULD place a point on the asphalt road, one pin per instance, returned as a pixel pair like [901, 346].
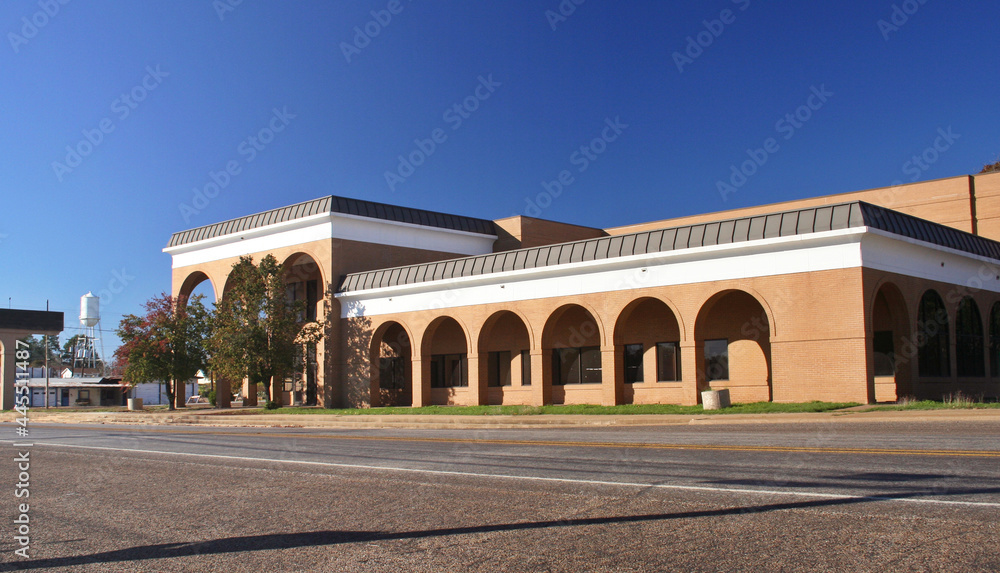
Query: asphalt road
[916, 496]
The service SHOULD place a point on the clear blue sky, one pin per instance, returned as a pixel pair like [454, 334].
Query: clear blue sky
[209, 79]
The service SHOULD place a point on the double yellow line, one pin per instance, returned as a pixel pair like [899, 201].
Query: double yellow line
[579, 444]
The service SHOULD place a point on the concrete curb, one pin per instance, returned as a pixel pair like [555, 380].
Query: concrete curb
[226, 418]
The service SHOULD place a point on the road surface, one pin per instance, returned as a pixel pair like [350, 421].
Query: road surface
[915, 496]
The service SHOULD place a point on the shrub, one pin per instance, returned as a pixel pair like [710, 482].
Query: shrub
[270, 405]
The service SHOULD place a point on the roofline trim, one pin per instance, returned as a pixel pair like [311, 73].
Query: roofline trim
[822, 238]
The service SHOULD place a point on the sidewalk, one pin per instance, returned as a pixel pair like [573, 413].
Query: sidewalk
[241, 418]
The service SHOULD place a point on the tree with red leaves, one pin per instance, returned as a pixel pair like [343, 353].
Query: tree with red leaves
[167, 344]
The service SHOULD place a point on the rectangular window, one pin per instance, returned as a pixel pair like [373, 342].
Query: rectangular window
[449, 371]
[717, 359]
[668, 362]
[498, 371]
[312, 299]
[576, 365]
[392, 373]
[633, 363]
[525, 368]
[884, 353]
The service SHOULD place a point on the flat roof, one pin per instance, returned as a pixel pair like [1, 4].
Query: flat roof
[38, 321]
[780, 224]
[335, 204]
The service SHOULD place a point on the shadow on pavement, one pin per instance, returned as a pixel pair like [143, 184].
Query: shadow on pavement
[323, 538]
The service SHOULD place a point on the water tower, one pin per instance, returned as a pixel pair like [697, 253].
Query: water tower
[85, 355]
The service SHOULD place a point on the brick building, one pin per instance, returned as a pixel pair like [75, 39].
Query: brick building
[862, 296]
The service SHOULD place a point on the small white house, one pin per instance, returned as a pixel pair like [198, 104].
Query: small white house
[155, 393]
[76, 392]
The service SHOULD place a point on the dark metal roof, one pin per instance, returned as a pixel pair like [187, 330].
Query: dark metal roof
[334, 204]
[38, 321]
[783, 224]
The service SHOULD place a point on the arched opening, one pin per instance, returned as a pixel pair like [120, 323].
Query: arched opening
[733, 346]
[933, 354]
[969, 351]
[572, 341]
[648, 353]
[198, 283]
[889, 331]
[505, 359]
[304, 285]
[444, 356]
[391, 366]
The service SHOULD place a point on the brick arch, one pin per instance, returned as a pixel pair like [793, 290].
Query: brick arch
[891, 366]
[490, 322]
[556, 315]
[448, 338]
[314, 267]
[503, 339]
[398, 363]
[739, 318]
[628, 313]
[195, 278]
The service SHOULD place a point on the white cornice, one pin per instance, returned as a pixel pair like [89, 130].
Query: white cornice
[327, 226]
[765, 257]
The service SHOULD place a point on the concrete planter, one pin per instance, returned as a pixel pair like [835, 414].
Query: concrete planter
[135, 403]
[715, 399]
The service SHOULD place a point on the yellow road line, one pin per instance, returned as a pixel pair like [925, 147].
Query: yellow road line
[578, 444]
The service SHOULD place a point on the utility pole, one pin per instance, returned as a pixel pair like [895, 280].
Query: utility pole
[46, 363]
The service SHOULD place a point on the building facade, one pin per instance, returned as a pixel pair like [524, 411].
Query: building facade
[865, 296]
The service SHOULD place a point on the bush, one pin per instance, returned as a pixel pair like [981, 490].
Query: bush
[211, 396]
[269, 405]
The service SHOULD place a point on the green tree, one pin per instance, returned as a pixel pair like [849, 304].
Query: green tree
[36, 347]
[168, 343]
[254, 327]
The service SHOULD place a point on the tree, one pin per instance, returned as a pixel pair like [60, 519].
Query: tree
[36, 348]
[168, 343]
[990, 168]
[254, 328]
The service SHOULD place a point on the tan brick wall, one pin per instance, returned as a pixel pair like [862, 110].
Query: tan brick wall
[988, 205]
[945, 201]
[811, 324]
[911, 290]
[523, 232]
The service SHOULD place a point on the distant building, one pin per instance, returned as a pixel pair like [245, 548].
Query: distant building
[864, 296]
[77, 392]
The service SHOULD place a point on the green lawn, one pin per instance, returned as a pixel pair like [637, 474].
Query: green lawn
[936, 405]
[754, 408]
